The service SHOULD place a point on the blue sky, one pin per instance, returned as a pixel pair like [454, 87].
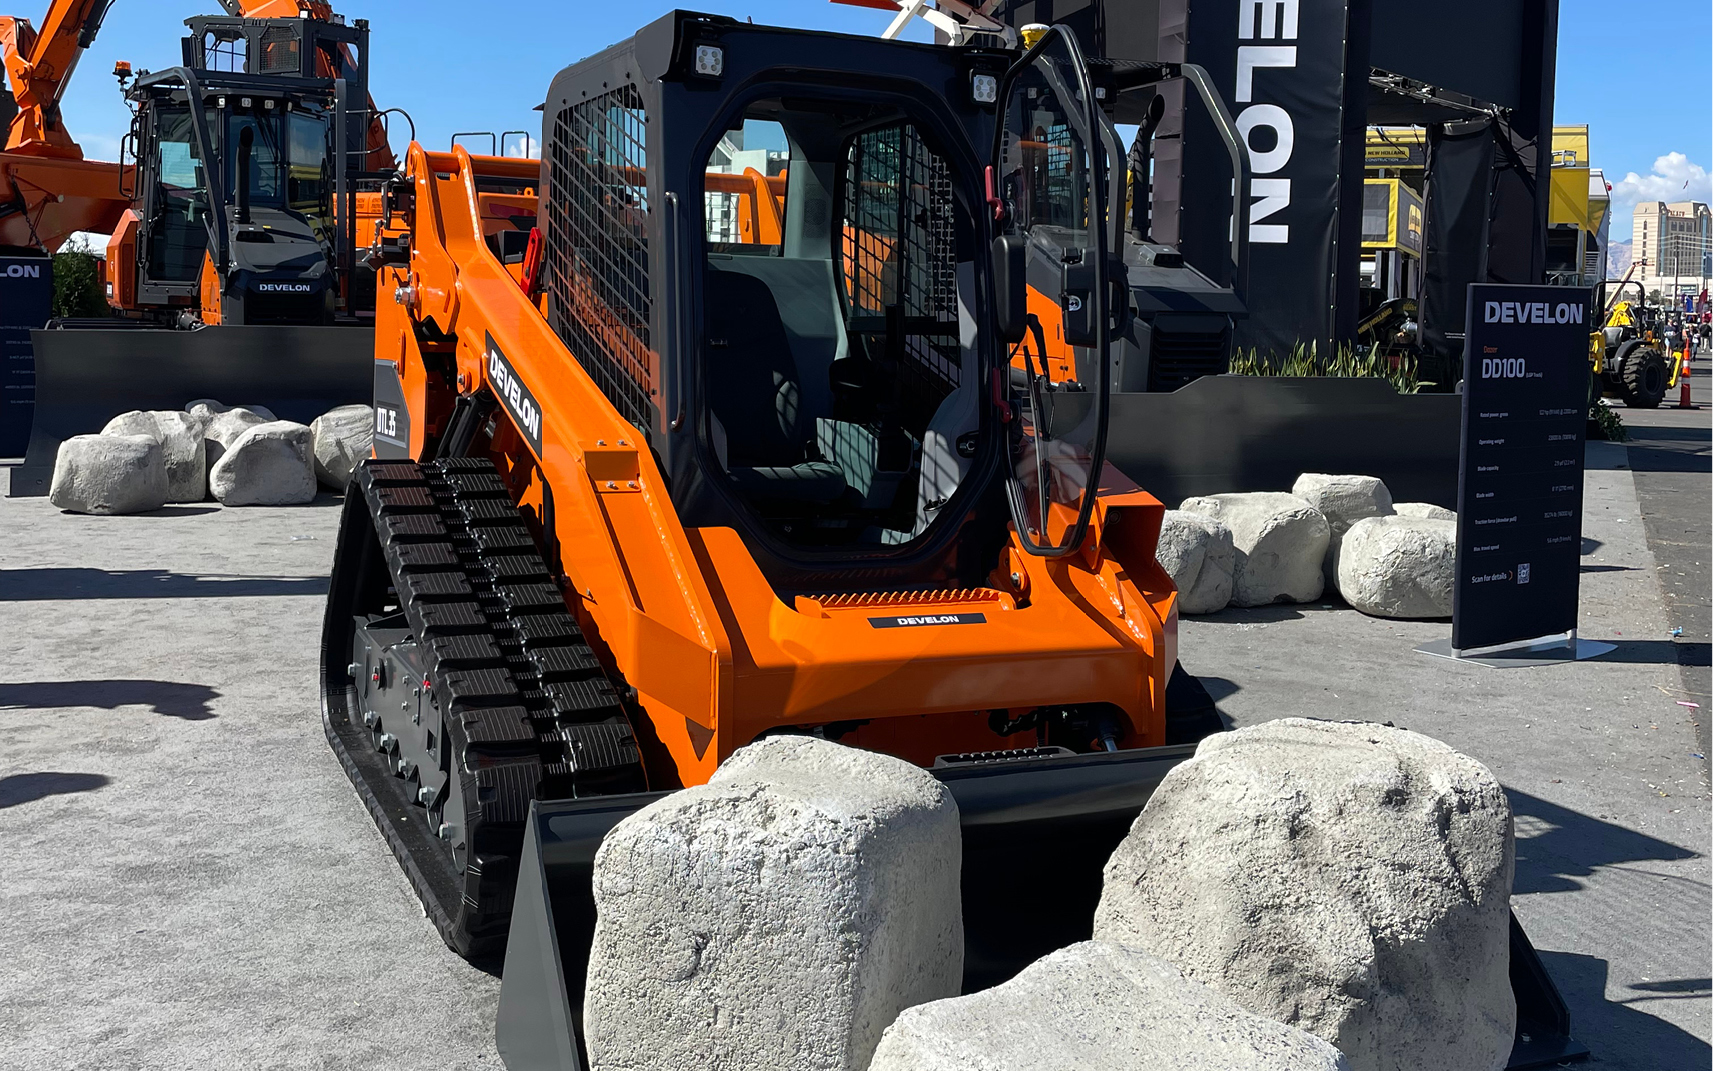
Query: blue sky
[1638, 73]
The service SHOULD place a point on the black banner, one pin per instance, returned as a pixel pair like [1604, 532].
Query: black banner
[1519, 495]
[26, 302]
[1280, 65]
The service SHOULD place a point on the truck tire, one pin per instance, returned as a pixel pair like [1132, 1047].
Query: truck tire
[1643, 378]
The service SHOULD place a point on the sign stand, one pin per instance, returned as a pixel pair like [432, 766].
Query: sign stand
[1519, 483]
[1545, 651]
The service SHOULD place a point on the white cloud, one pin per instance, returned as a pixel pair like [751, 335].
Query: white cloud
[1674, 178]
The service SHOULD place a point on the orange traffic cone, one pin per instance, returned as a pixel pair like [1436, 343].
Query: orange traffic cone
[1683, 375]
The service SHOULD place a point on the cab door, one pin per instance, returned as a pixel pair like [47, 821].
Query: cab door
[1051, 193]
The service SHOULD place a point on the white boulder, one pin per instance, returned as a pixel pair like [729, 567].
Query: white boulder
[1349, 879]
[180, 437]
[1097, 1007]
[270, 464]
[777, 918]
[1342, 500]
[1424, 511]
[343, 438]
[1198, 554]
[109, 474]
[1399, 567]
[225, 428]
[1280, 543]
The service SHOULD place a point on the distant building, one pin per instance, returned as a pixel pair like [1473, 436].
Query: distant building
[1674, 244]
[1578, 214]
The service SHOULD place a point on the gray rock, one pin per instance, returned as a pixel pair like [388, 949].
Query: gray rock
[1280, 545]
[1198, 554]
[1097, 1007]
[1342, 500]
[225, 428]
[777, 918]
[1349, 879]
[109, 474]
[206, 409]
[270, 464]
[180, 437]
[1399, 567]
[343, 437]
[1424, 511]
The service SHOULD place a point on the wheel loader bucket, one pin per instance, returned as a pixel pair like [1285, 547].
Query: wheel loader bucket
[1037, 831]
[87, 376]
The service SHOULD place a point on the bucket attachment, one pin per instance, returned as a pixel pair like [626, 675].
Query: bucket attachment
[87, 376]
[1038, 827]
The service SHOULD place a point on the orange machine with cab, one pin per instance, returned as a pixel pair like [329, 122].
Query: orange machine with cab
[732, 446]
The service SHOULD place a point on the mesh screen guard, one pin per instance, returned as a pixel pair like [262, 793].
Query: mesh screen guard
[597, 246]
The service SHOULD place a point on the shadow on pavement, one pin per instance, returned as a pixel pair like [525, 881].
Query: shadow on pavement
[1657, 653]
[29, 787]
[1620, 1031]
[28, 585]
[1267, 615]
[1219, 688]
[175, 700]
[1557, 847]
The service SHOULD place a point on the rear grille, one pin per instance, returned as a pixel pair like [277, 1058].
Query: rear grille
[868, 600]
[894, 601]
[597, 246]
[1181, 357]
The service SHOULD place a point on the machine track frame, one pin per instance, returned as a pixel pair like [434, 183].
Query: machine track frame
[512, 705]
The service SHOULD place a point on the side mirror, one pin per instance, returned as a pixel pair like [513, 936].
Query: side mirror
[1011, 286]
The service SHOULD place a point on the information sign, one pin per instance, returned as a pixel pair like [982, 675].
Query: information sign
[1519, 500]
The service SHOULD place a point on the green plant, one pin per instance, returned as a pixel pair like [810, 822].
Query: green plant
[1608, 423]
[1345, 362]
[77, 285]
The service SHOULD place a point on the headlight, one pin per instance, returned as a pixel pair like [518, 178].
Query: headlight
[710, 60]
[984, 88]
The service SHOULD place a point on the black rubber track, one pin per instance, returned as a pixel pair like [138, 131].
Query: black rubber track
[526, 711]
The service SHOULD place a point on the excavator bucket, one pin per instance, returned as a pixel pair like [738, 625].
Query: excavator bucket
[1038, 828]
[87, 376]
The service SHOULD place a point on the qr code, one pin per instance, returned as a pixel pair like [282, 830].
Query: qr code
[1523, 573]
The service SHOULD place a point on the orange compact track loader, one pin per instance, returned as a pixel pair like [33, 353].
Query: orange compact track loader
[733, 446]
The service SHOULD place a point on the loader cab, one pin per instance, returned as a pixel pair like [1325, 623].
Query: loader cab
[841, 365]
[772, 250]
[245, 202]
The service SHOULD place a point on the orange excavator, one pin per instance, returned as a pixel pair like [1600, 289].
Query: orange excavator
[48, 190]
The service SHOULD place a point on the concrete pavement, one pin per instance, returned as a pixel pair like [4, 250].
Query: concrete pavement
[189, 880]
[1671, 453]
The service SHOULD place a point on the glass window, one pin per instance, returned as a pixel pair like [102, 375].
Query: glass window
[266, 158]
[744, 195]
[178, 229]
[309, 175]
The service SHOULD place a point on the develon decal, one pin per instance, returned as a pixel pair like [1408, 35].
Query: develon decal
[517, 399]
[23, 271]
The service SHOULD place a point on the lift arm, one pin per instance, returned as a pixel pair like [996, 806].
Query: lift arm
[39, 65]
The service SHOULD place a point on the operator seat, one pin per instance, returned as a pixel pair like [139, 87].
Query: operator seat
[756, 398]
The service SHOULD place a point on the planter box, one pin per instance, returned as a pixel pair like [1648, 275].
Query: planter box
[1252, 433]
